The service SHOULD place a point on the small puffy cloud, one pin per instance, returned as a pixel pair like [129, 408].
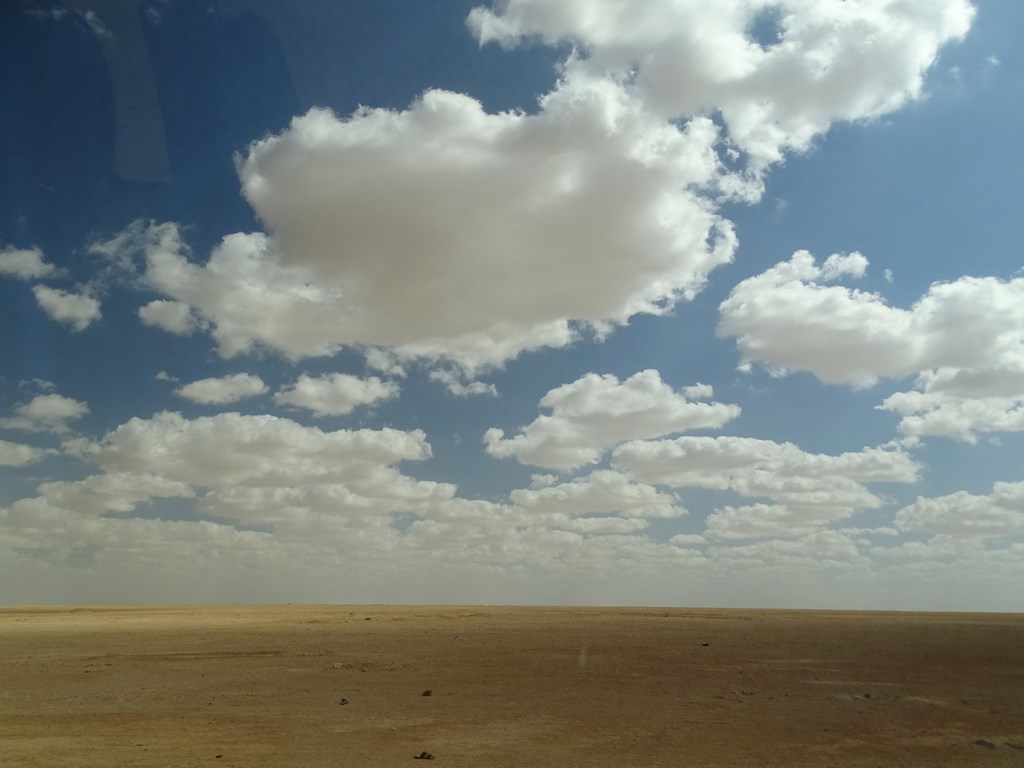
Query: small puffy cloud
[787, 319]
[19, 455]
[959, 403]
[964, 515]
[456, 385]
[806, 490]
[171, 316]
[964, 340]
[603, 492]
[829, 61]
[261, 451]
[335, 394]
[46, 413]
[698, 391]
[942, 415]
[223, 390]
[840, 265]
[78, 310]
[24, 263]
[384, 361]
[595, 413]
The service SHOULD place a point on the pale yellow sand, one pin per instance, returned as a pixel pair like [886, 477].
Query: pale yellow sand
[260, 686]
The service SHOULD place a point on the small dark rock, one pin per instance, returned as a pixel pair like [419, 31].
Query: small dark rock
[428, 692]
[705, 645]
[423, 756]
[984, 743]
[343, 702]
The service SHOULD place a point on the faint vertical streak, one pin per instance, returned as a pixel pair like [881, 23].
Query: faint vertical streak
[140, 144]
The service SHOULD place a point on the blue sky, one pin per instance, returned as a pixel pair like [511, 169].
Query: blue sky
[539, 302]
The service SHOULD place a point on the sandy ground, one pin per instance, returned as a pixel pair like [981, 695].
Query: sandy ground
[263, 686]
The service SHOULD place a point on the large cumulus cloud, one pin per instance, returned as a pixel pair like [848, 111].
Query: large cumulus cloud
[443, 231]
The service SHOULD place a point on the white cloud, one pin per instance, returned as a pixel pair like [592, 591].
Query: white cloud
[963, 339]
[456, 384]
[806, 490]
[99, 494]
[260, 451]
[223, 390]
[77, 310]
[787, 320]
[832, 61]
[124, 249]
[335, 394]
[736, 462]
[19, 455]
[46, 413]
[595, 413]
[962, 514]
[963, 417]
[346, 516]
[171, 316]
[698, 391]
[446, 232]
[384, 361]
[312, 486]
[603, 492]
[24, 263]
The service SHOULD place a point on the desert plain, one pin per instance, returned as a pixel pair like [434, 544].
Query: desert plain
[318, 686]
